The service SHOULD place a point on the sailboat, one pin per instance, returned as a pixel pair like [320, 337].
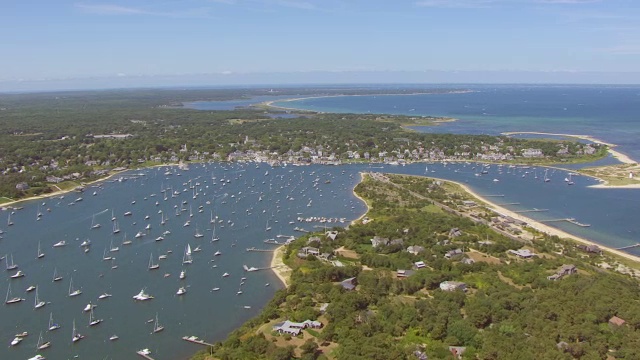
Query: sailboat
[152, 266]
[37, 302]
[92, 321]
[56, 277]
[116, 228]
[105, 257]
[113, 217]
[546, 179]
[73, 292]
[113, 249]
[11, 300]
[42, 345]
[9, 222]
[156, 326]
[10, 265]
[267, 227]
[187, 259]
[125, 241]
[40, 253]
[213, 235]
[94, 225]
[570, 181]
[75, 335]
[52, 325]
[198, 234]
[162, 219]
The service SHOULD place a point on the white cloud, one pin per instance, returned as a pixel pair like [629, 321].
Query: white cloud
[109, 9]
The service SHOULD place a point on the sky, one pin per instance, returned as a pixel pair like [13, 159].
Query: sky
[163, 41]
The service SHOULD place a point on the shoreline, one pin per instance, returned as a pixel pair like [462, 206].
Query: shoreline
[549, 230]
[623, 158]
[361, 199]
[279, 268]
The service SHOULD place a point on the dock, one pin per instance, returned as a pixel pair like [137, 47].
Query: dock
[628, 247]
[499, 195]
[514, 203]
[272, 241]
[300, 229]
[533, 210]
[260, 250]
[196, 340]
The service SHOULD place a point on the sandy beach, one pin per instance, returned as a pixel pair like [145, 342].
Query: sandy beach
[361, 199]
[542, 227]
[282, 271]
[616, 154]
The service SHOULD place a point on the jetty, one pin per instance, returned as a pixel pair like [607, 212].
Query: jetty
[196, 340]
[272, 241]
[259, 250]
[300, 229]
[514, 203]
[628, 247]
[498, 195]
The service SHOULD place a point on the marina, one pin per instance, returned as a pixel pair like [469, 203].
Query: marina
[128, 294]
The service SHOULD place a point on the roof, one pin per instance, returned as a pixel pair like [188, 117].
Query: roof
[348, 284]
[616, 321]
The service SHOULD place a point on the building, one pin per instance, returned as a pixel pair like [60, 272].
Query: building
[522, 253]
[378, 241]
[22, 186]
[616, 321]
[453, 286]
[419, 264]
[415, 249]
[452, 253]
[294, 328]
[308, 250]
[348, 284]
[404, 273]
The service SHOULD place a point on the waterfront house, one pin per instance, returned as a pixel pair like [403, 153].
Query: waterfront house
[332, 235]
[23, 186]
[308, 250]
[564, 270]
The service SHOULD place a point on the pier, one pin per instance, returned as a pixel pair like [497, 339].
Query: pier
[515, 203]
[533, 210]
[628, 247]
[259, 250]
[499, 195]
[569, 220]
[195, 340]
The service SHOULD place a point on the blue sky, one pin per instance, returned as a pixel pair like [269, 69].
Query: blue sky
[47, 39]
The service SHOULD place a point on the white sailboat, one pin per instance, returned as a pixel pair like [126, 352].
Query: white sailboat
[125, 241]
[113, 217]
[267, 227]
[40, 253]
[213, 235]
[76, 336]
[546, 178]
[73, 292]
[105, 256]
[92, 320]
[570, 181]
[56, 277]
[113, 249]
[52, 325]
[37, 302]
[198, 234]
[186, 258]
[10, 265]
[156, 325]
[9, 299]
[9, 222]
[94, 224]
[41, 344]
[152, 266]
[116, 228]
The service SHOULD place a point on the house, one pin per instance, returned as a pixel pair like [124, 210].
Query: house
[469, 203]
[313, 239]
[452, 253]
[419, 264]
[590, 248]
[455, 232]
[294, 328]
[616, 321]
[404, 273]
[396, 242]
[457, 351]
[332, 235]
[415, 249]
[22, 186]
[453, 286]
[522, 253]
[308, 250]
[379, 241]
[468, 261]
[323, 307]
[563, 271]
[529, 153]
[348, 284]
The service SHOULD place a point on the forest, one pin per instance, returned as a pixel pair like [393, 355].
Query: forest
[47, 138]
[509, 308]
